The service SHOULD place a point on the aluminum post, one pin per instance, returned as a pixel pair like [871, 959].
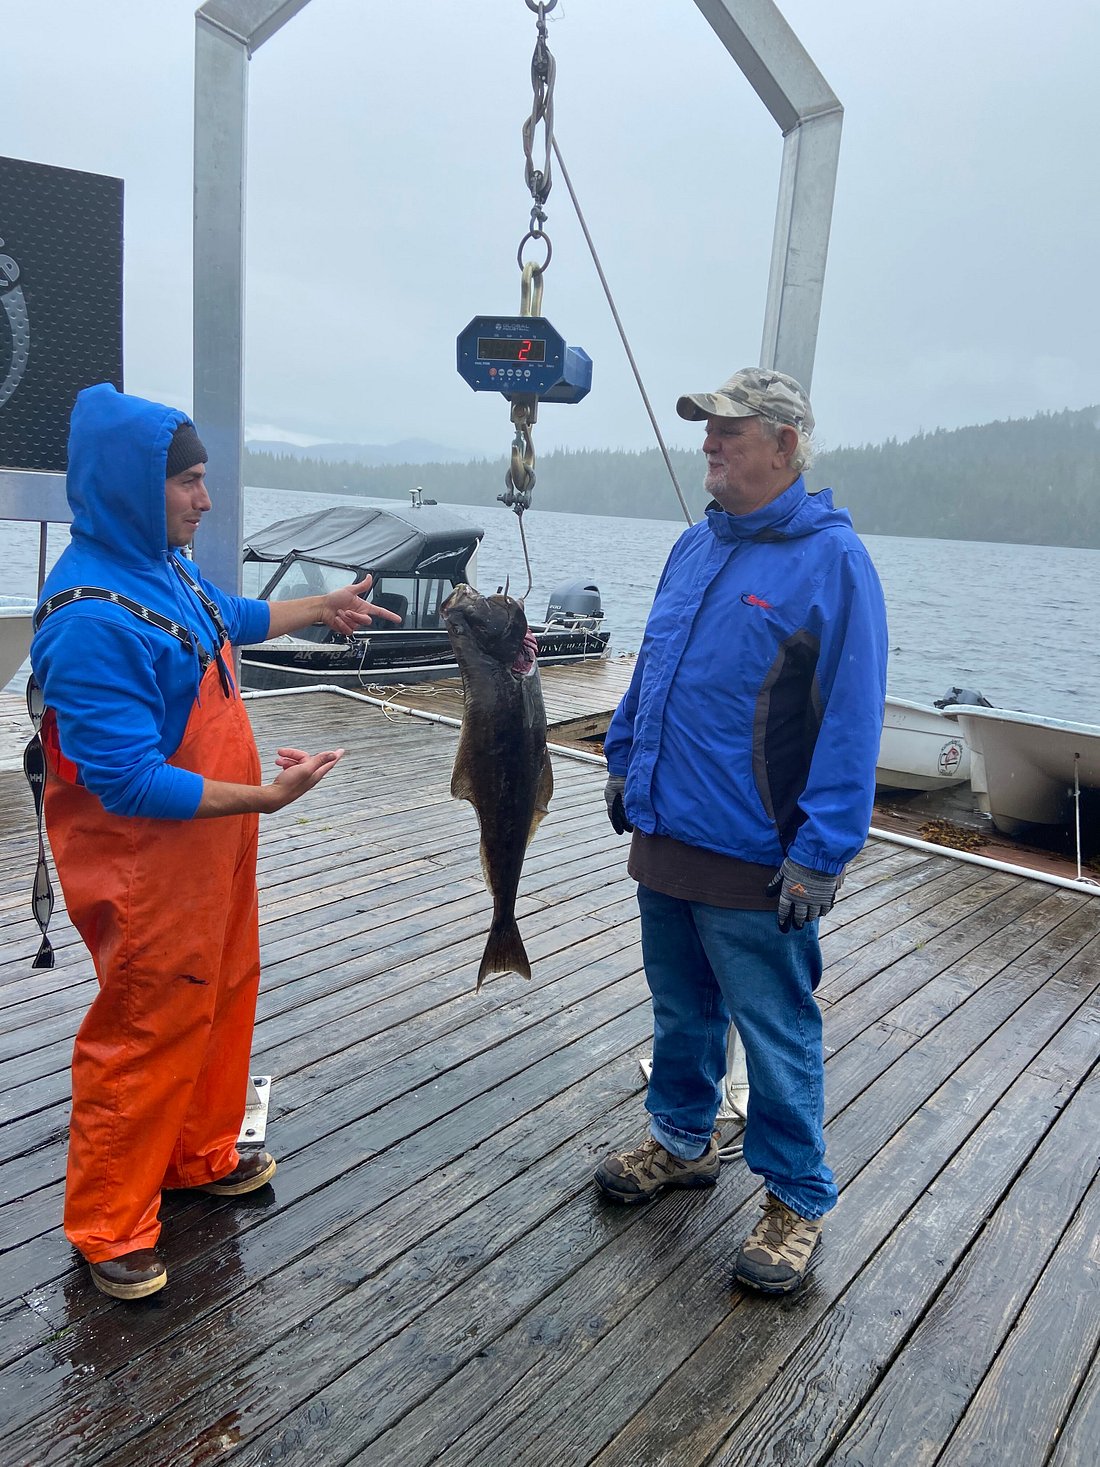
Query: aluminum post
[227, 33]
[786, 80]
[31, 494]
[800, 246]
[221, 106]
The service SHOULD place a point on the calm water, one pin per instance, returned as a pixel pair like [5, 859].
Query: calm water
[1017, 621]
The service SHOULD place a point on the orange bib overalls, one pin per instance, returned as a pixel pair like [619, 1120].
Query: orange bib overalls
[168, 911]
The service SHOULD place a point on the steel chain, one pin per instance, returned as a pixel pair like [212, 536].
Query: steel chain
[540, 180]
[520, 477]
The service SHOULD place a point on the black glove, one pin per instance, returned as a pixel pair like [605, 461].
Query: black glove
[613, 796]
[804, 895]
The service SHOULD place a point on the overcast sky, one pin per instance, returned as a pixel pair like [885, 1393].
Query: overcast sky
[386, 201]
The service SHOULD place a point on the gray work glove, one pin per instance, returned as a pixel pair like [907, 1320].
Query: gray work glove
[613, 797]
[804, 895]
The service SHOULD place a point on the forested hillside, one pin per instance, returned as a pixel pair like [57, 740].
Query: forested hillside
[1033, 481]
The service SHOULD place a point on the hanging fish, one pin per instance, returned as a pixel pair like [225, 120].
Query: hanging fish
[501, 766]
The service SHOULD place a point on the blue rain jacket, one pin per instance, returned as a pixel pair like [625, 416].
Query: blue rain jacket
[122, 690]
[752, 722]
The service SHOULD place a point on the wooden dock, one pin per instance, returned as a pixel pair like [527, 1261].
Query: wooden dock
[579, 698]
[432, 1277]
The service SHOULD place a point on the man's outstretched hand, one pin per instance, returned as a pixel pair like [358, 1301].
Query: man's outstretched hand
[343, 611]
[346, 612]
[300, 772]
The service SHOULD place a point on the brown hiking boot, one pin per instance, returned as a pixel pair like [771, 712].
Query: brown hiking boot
[644, 1173]
[130, 1275]
[254, 1170]
[775, 1255]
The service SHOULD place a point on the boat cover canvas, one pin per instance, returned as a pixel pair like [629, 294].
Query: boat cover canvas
[377, 540]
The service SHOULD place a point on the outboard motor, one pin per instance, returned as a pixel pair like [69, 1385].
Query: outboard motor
[968, 696]
[573, 602]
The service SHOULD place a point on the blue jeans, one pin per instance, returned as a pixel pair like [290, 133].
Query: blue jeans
[706, 965]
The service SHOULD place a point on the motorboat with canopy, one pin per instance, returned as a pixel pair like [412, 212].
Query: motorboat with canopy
[416, 555]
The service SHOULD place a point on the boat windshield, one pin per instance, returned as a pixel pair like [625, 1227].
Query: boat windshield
[298, 578]
[255, 575]
[415, 599]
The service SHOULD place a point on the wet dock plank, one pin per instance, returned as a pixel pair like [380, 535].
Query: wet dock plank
[432, 1277]
[579, 698]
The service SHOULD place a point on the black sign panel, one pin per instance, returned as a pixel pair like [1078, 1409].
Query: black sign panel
[60, 303]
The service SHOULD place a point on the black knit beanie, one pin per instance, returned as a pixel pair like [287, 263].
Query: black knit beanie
[184, 451]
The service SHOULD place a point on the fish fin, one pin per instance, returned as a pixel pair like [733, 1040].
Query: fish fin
[504, 952]
[542, 796]
[461, 787]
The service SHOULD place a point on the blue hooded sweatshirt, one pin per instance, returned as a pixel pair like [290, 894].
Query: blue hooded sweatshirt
[123, 690]
[752, 722]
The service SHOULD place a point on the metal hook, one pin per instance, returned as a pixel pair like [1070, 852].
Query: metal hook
[526, 558]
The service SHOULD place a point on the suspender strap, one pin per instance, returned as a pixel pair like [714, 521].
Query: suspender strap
[34, 767]
[210, 607]
[135, 608]
[34, 755]
[163, 623]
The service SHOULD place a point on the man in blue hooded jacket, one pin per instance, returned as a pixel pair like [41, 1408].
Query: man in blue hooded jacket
[152, 796]
[743, 759]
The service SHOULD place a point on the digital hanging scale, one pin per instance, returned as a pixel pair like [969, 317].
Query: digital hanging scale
[522, 356]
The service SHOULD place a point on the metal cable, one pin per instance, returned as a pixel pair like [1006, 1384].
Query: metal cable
[622, 333]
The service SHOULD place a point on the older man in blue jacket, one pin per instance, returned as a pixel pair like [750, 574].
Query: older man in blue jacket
[743, 759]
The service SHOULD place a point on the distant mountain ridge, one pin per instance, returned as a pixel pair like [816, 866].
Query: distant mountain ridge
[1025, 481]
[407, 451]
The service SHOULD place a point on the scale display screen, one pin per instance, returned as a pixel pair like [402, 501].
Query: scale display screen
[511, 349]
[522, 357]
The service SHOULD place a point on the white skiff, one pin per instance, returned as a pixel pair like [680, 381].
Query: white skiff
[922, 748]
[1024, 769]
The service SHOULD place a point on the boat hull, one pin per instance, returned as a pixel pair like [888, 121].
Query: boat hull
[388, 658]
[16, 630]
[1024, 768]
[921, 748]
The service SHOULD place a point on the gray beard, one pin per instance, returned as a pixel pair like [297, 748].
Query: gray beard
[713, 480]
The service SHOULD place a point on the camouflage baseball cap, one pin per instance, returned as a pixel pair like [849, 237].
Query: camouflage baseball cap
[753, 392]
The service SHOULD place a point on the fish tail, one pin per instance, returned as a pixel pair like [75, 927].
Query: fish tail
[504, 951]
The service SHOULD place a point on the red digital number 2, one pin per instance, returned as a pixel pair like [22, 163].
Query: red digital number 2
[524, 349]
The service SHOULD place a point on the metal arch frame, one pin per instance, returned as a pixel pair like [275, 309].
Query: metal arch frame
[800, 100]
[229, 32]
